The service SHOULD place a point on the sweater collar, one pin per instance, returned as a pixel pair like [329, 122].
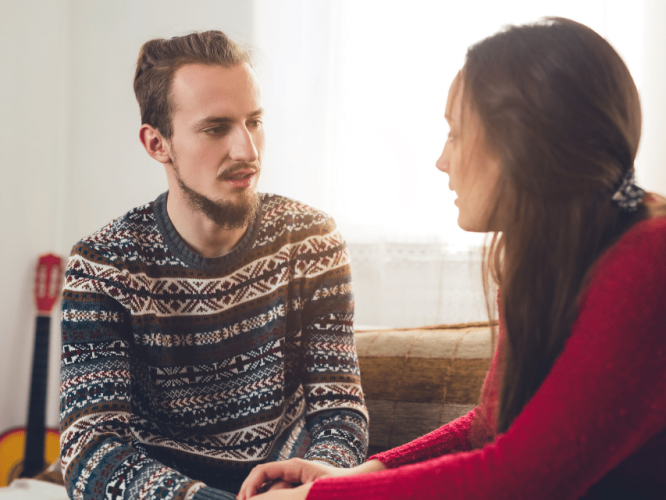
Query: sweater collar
[192, 259]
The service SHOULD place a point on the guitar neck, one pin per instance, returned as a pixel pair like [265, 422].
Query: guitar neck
[34, 441]
[48, 277]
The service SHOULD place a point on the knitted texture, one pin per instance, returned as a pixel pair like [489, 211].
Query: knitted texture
[180, 371]
[449, 438]
[595, 428]
[208, 493]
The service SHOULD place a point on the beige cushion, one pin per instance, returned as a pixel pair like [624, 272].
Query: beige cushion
[416, 380]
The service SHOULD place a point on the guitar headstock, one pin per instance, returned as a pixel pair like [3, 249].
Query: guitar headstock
[48, 281]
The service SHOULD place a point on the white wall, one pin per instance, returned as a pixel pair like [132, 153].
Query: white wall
[71, 158]
[651, 160]
[32, 135]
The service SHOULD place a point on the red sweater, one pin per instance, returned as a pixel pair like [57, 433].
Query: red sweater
[595, 428]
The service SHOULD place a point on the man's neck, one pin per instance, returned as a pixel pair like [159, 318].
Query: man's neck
[199, 233]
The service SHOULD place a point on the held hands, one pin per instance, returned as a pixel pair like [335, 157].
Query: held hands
[294, 471]
[278, 485]
[297, 493]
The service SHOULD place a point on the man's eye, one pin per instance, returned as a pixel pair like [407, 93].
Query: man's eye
[215, 130]
[254, 123]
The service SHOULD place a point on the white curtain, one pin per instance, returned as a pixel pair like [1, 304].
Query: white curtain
[355, 92]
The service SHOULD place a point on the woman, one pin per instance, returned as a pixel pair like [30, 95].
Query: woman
[545, 124]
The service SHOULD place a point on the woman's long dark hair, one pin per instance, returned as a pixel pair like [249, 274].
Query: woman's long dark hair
[561, 112]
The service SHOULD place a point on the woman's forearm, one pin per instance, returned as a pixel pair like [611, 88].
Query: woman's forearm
[369, 466]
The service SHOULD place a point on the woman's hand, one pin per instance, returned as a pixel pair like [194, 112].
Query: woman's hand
[297, 471]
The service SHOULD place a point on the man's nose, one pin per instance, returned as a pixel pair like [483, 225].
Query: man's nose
[242, 146]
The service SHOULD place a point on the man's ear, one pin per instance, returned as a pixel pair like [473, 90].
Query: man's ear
[153, 142]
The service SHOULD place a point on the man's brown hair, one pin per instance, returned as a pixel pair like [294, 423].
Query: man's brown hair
[160, 58]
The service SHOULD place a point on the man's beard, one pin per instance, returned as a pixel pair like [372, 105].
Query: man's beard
[224, 213]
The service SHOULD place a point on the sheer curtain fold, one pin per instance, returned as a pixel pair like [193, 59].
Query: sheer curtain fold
[355, 92]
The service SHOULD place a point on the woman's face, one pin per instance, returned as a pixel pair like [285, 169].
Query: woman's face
[473, 171]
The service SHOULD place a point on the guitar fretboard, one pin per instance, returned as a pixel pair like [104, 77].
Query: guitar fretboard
[34, 441]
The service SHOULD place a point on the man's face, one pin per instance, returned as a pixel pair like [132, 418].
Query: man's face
[217, 141]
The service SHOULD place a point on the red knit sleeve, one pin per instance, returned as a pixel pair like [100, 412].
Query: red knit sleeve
[449, 438]
[602, 405]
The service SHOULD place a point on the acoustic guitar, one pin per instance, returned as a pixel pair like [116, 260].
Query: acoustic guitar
[25, 452]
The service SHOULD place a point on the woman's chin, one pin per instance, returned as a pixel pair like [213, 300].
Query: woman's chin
[472, 226]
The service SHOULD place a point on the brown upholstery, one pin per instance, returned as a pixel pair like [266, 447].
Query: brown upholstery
[417, 380]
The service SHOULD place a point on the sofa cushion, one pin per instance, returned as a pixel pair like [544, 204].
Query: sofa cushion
[416, 380]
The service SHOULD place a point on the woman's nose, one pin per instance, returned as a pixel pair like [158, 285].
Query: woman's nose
[442, 162]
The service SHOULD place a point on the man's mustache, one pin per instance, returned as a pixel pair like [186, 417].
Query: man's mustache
[239, 167]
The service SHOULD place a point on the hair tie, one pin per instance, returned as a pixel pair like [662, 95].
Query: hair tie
[628, 196]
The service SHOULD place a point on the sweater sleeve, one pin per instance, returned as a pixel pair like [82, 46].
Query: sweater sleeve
[337, 437]
[336, 416]
[99, 459]
[603, 400]
[452, 437]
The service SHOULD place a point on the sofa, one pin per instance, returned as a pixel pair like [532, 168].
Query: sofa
[416, 380]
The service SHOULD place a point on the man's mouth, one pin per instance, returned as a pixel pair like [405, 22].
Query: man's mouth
[238, 177]
[241, 179]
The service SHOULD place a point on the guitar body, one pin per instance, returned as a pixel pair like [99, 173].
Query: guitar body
[12, 449]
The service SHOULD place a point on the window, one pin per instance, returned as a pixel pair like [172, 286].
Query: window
[355, 92]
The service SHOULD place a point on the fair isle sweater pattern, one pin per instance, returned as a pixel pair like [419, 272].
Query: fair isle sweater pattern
[180, 373]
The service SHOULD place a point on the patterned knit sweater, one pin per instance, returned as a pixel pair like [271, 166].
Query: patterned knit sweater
[180, 373]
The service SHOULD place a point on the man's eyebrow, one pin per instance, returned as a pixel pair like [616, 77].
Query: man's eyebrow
[212, 120]
[256, 113]
[221, 120]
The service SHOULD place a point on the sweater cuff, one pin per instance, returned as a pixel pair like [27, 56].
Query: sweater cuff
[449, 438]
[208, 493]
[339, 438]
[350, 488]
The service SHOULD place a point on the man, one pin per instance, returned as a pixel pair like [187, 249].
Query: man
[212, 329]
